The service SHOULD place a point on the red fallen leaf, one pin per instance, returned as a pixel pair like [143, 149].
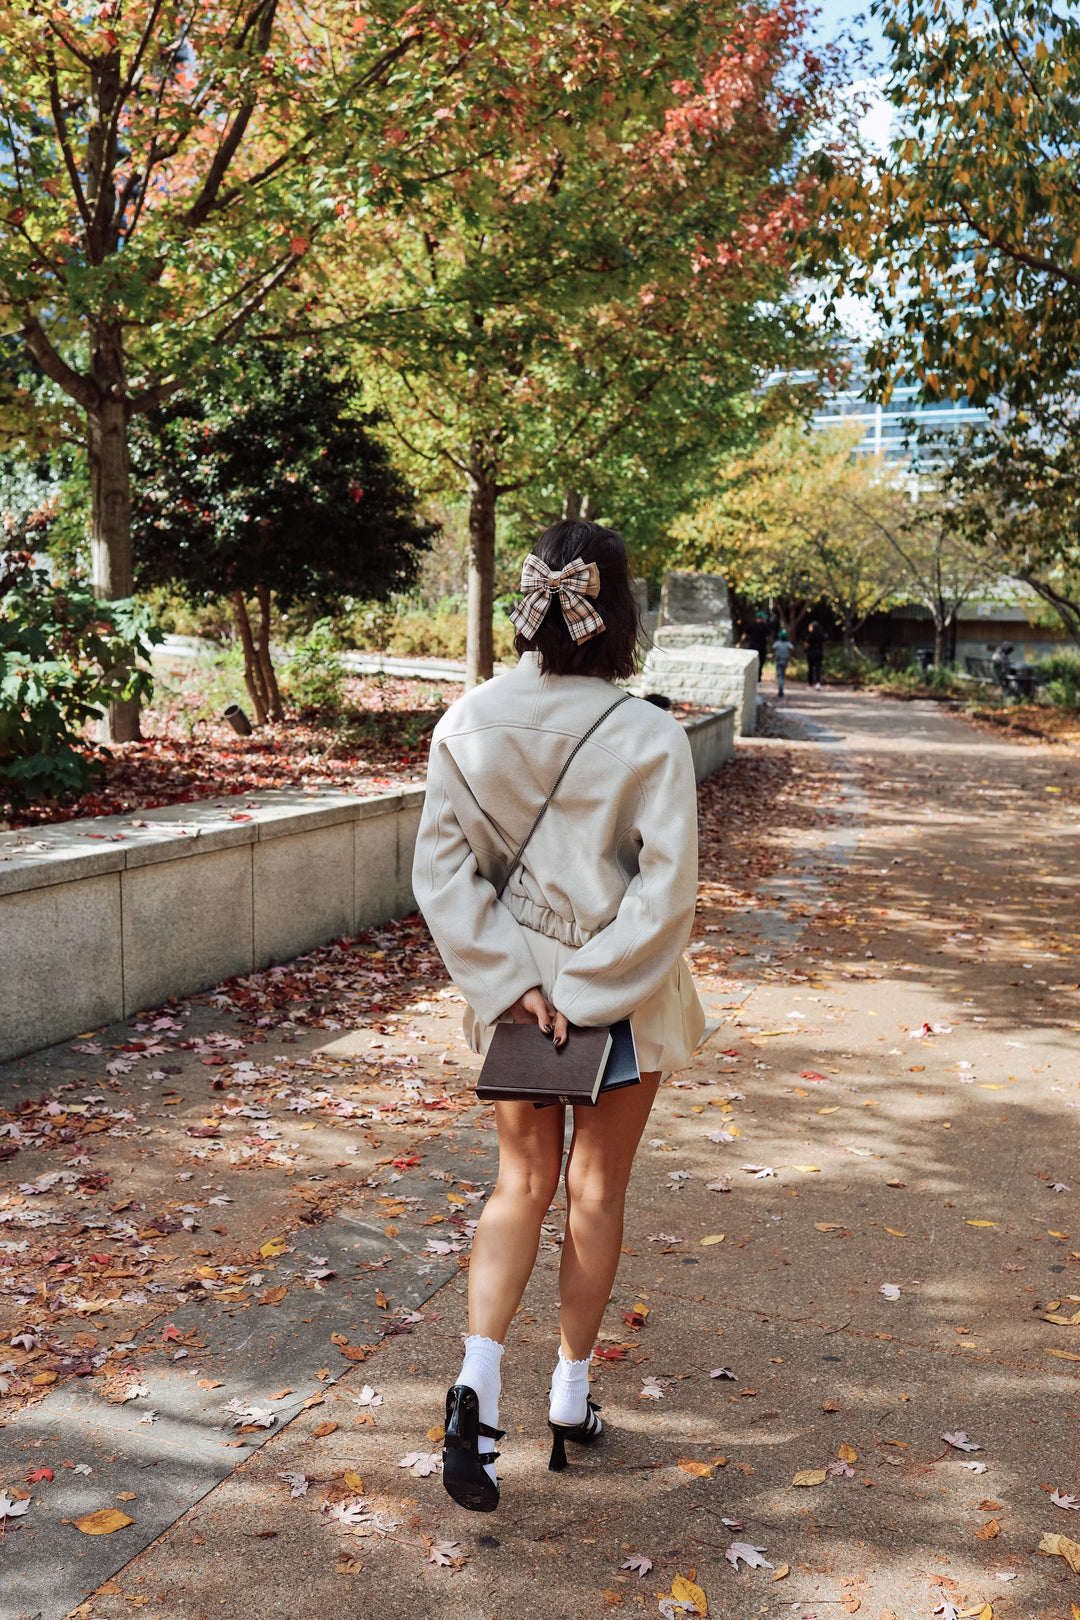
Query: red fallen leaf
[633, 1319]
[616, 1353]
[731, 1052]
[38, 1475]
[406, 1162]
[213, 1062]
[170, 1332]
[202, 1130]
[811, 1074]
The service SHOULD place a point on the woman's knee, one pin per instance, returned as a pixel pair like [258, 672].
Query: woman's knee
[595, 1190]
[532, 1184]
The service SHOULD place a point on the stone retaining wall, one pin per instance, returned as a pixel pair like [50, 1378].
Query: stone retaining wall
[102, 918]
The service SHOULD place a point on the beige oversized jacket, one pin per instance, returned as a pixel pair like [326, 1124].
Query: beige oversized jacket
[612, 868]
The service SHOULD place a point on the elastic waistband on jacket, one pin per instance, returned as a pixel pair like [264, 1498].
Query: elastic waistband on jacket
[542, 920]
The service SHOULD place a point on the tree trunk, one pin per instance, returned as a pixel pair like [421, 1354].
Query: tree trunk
[252, 673]
[575, 506]
[110, 501]
[480, 644]
[939, 643]
[266, 666]
[849, 635]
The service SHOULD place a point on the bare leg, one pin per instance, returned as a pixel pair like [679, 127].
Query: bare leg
[508, 1232]
[597, 1171]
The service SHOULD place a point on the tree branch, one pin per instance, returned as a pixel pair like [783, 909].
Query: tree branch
[81, 389]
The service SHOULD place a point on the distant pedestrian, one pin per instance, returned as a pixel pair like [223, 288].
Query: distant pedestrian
[1003, 666]
[815, 654]
[782, 651]
[757, 639]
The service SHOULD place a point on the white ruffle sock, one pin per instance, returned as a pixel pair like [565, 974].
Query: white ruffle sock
[568, 1402]
[481, 1370]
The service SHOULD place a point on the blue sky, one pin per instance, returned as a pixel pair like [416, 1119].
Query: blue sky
[837, 22]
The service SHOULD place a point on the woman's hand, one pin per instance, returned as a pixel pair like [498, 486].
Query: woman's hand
[534, 1008]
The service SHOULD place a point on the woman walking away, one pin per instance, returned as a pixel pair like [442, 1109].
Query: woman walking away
[589, 929]
[782, 650]
[815, 653]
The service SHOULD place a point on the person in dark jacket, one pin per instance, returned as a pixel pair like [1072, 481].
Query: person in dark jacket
[815, 653]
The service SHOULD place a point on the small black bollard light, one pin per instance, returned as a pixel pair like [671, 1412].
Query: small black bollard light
[239, 721]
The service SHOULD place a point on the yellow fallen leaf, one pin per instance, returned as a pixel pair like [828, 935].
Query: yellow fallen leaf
[835, 1109]
[641, 1309]
[828, 1226]
[1063, 1355]
[809, 1476]
[455, 1198]
[690, 1465]
[808, 1169]
[980, 1223]
[44, 1378]
[1064, 1321]
[1056, 1234]
[1059, 1546]
[685, 1591]
[987, 1085]
[978, 1611]
[714, 1237]
[273, 1247]
[894, 1233]
[733, 1130]
[103, 1522]
[781, 1571]
[436, 1434]
[353, 1481]
[1075, 1611]
[848, 1454]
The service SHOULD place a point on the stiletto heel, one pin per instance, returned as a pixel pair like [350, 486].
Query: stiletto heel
[465, 1476]
[583, 1434]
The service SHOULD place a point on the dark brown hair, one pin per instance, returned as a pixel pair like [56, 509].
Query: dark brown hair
[612, 655]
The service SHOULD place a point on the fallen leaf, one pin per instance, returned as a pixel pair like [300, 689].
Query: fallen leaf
[685, 1591]
[125, 1496]
[690, 1465]
[353, 1481]
[989, 1531]
[274, 1296]
[960, 1441]
[44, 1378]
[1059, 1546]
[752, 1557]
[809, 1476]
[639, 1563]
[1058, 1499]
[381, 1300]
[830, 1406]
[894, 1233]
[829, 1226]
[714, 1237]
[321, 1430]
[781, 1571]
[275, 1246]
[987, 1506]
[210, 1383]
[1063, 1355]
[103, 1522]
[12, 1506]
[421, 1463]
[445, 1552]
[38, 1475]
[980, 1223]
[848, 1454]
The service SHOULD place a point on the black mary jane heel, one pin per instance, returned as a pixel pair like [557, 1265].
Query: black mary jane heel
[464, 1474]
[583, 1434]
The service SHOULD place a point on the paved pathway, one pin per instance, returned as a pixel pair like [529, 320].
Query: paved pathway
[897, 1064]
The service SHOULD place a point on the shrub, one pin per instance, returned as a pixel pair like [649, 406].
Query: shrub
[63, 658]
[313, 677]
[411, 632]
[1063, 680]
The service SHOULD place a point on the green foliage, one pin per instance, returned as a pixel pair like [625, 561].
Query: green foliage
[63, 658]
[966, 235]
[313, 677]
[1063, 683]
[266, 479]
[411, 632]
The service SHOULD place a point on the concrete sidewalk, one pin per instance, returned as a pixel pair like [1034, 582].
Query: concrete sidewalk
[892, 1101]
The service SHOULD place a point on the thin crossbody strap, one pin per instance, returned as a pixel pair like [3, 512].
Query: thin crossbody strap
[578, 746]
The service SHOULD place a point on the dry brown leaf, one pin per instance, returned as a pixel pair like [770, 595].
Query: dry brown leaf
[338, 1339]
[103, 1522]
[44, 1378]
[989, 1531]
[110, 1589]
[848, 1454]
[273, 1296]
[353, 1481]
[1065, 1355]
[810, 1476]
[685, 1591]
[381, 1300]
[612, 1600]
[690, 1465]
[714, 1237]
[321, 1430]
[353, 1352]
[436, 1434]
[830, 1406]
[391, 1230]
[280, 1394]
[987, 1506]
[210, 1383]
[125, 1496]
[1059, 1546]
[781, 1572]
[828, 1226]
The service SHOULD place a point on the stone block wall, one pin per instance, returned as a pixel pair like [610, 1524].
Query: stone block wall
[710, 677]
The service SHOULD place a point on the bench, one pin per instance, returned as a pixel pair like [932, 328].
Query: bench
[1019, 681]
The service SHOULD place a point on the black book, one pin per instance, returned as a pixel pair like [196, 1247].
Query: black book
[523, 1064]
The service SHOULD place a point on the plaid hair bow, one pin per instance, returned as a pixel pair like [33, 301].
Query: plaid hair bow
[573, 586]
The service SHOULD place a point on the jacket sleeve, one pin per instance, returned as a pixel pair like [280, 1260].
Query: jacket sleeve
[628, 961]
[483, 947]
